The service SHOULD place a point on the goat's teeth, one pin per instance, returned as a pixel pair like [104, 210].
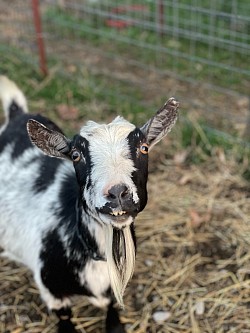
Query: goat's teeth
[118, 213]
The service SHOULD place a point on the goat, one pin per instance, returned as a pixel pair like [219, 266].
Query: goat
[72, 224]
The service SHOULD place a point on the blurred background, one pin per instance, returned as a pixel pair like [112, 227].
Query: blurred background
[93, 59]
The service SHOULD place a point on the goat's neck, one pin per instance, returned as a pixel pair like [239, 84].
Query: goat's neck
[90, 233]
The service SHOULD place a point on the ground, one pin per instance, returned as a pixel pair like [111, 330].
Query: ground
[193, 261]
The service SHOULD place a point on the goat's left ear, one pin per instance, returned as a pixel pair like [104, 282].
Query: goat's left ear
[51, 142]
[161, 123]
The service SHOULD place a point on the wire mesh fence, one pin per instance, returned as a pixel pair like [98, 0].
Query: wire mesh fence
[144, 50]
[192, 39]
[17, 31]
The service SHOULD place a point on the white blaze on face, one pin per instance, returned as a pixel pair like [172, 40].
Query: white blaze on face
[110, 157]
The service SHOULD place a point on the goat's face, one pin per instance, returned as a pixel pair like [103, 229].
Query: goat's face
[110, 161]
[111, 168]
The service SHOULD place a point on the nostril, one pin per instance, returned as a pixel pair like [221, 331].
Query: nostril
[124, 193]
[117, 192]
[111, 195]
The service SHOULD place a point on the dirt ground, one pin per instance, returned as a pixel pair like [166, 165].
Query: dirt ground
[193, 262]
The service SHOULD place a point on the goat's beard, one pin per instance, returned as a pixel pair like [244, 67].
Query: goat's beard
[120, 254]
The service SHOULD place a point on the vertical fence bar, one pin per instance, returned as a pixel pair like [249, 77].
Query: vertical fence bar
[39, 37]
[160, 17]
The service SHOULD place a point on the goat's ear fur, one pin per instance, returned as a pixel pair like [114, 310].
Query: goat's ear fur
[51, 142]
[161, 123]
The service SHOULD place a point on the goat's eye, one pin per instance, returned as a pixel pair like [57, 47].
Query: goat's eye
[144, 148]
[75, 156]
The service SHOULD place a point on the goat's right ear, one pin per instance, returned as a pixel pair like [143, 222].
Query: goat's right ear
[51, 142]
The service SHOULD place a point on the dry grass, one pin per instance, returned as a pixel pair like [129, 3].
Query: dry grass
[193, 261]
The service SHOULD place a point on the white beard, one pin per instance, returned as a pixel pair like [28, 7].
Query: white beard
[120, 254]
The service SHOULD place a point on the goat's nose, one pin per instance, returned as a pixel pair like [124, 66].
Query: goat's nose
[118, 193]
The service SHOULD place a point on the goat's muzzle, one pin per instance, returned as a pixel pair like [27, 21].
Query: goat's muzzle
[120, 208]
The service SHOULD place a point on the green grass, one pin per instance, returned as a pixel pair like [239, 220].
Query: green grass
[197, 133]
[97, 97]
[90, 95]
[202, 143]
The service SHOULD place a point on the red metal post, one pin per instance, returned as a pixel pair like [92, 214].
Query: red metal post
[39, 37]
[161, 21]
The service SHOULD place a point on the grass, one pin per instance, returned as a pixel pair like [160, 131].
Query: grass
[89, 95]
[203, 142]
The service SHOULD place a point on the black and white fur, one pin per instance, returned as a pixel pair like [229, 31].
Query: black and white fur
[70, 219]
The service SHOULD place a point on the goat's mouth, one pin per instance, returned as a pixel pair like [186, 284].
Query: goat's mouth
[118, 213]
[118, 218]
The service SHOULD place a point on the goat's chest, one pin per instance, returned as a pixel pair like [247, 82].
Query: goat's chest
[66, 270]
[95, 278]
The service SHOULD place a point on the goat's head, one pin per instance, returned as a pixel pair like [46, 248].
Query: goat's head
[111, 165]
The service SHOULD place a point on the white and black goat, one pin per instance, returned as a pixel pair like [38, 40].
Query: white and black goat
[72, 223]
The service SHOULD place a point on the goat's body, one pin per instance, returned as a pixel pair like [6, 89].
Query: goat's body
[72, 223]
[60, 264]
